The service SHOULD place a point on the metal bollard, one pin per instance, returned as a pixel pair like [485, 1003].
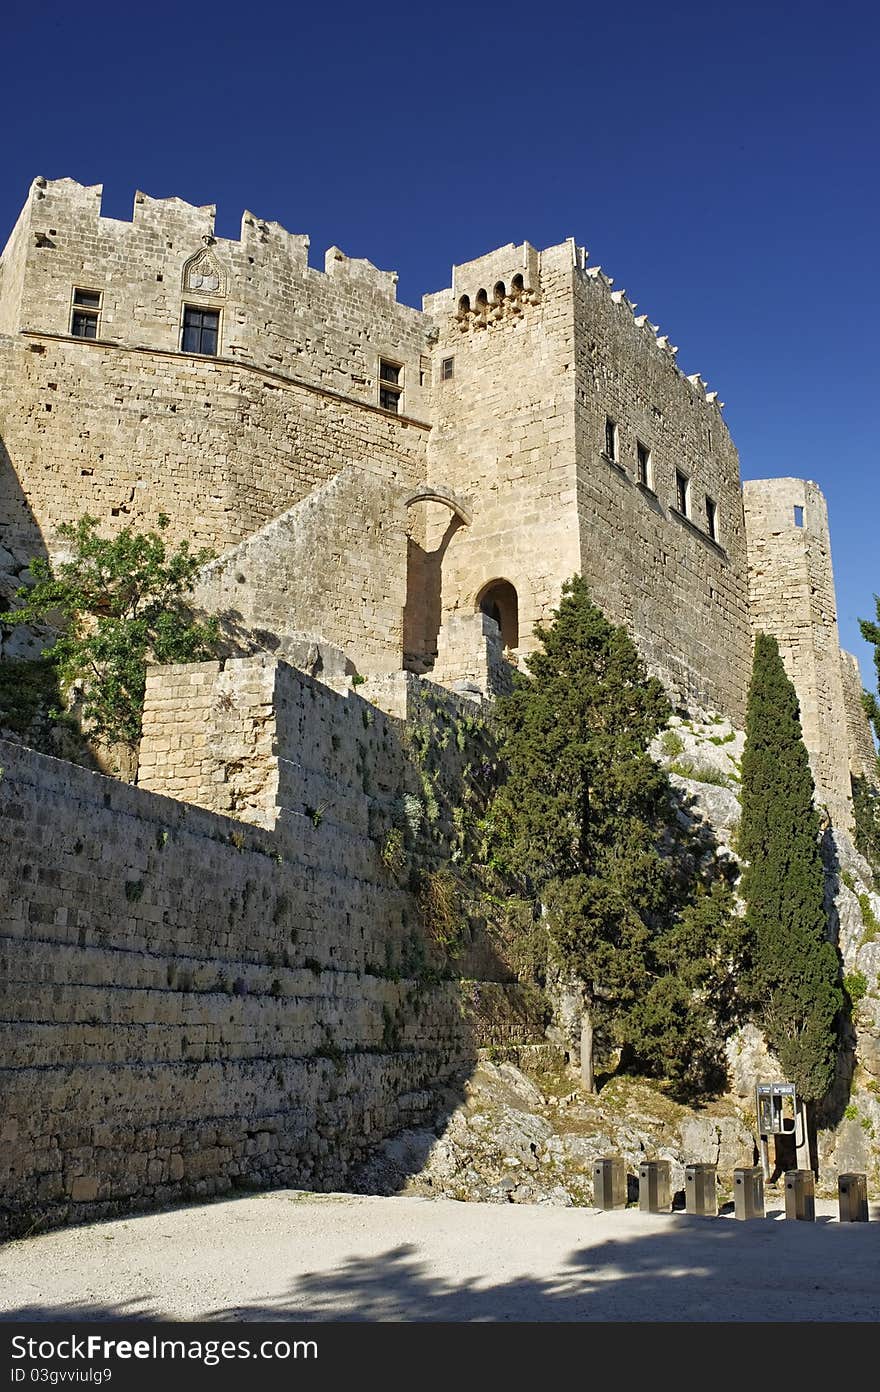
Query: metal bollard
[609, 1183]
[800, 1195]
[700, 1191]
[655, 1186]
[852, 1195]
[748, 1192]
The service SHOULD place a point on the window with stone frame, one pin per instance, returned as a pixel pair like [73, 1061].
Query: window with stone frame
[611, 439]
[85, 313]
[390, 385]
[682, 493]
[712, 517]
[200, 332]
[644, 466]
[447, 369]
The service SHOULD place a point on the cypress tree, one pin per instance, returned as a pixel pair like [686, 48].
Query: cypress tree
[795, 973]
[585, 821]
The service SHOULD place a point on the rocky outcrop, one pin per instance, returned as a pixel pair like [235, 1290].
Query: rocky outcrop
[526, 1133]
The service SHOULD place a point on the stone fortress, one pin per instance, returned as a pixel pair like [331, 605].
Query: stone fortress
[381, 478]
[394, 498]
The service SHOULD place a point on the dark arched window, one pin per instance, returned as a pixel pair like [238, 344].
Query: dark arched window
[499, 601]
[517, 285]
[482, 301]
[500, 291]
[464, 305]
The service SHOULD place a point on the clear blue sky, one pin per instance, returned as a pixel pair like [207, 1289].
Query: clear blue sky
[721, 163]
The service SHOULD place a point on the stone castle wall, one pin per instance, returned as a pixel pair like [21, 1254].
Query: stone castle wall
[657, 571]
[127, 425]
[336, 561]
[862, 754]
[502, 434]
[276, 453]
[791, 589]
[192, 1003]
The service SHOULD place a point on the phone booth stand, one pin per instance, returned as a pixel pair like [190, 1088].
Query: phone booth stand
[780, 1113]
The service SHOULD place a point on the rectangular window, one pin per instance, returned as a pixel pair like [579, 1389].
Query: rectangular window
[390, 385]
[447, 369]
[610, 439]
[712, 517]
[85, 313]
[644, 471]
[798, 517]
[200, 330]
[682, 489]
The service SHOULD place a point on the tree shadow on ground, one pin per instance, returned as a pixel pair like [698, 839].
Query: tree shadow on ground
[699, 1270]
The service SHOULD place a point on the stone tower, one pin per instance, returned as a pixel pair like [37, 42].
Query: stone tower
[563, 421]
[791, 591]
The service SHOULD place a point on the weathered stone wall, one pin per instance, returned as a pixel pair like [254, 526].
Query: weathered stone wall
[127, 425]
[503, 432]
[221, 447]
[650, 567]
[13, 263]
[191, 1003]
[791, 590]
[519, 435]
[334, 565]
[862, 754]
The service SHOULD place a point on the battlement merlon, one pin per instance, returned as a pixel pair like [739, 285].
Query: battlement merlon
[56, 206]
[522, 264]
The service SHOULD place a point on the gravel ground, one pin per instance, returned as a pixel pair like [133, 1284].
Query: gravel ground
[290, 1255]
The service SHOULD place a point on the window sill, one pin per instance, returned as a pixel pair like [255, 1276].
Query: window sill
[698, 531]
[615, 464]
[645, 488]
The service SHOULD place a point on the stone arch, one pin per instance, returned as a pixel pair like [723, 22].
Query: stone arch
[424, 573]
[498, 598]
[464, 305]
[499, 291]
[517, 285]
[482, 301]
[431, 493]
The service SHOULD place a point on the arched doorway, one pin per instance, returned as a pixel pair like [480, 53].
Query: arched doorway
[499, 600]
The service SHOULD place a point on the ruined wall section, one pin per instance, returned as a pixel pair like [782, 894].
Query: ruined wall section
[503, 436]
[862, 753]
[127, 425]
[254, 738]
[335, 565]
[682, 595]
[791, 589]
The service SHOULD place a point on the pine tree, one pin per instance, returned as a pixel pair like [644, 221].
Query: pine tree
[795, 975]
[586, 821]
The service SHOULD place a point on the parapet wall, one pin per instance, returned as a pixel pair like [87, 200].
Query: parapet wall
[791, 591]
[193, 1003]
[335, 565]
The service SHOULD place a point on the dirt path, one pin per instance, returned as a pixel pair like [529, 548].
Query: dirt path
[295, 1256]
